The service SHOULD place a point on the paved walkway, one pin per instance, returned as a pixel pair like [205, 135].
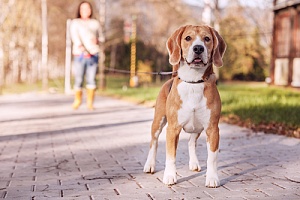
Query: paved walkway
[48, 151]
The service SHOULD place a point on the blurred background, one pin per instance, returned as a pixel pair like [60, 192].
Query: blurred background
[259, 82]
[33, 37]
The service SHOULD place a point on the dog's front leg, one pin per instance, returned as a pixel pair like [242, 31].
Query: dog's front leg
[212, 179]
[171, 147]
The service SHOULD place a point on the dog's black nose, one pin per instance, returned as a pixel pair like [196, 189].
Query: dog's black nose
[198, 49]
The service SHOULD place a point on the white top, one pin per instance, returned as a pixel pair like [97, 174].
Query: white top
[85, 36]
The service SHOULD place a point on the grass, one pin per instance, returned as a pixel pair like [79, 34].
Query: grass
[248, 103]
[261, 104]
[117, 86]
[56, 85]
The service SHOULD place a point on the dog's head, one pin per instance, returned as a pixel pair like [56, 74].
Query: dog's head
[197, 46]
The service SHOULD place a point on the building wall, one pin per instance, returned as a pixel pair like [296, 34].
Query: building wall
[285, 64]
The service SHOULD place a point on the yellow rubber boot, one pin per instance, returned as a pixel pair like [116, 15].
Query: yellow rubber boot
[77, 100]
[90, 98]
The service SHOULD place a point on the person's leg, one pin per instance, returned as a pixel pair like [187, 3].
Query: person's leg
[91, 71]
[79, 69]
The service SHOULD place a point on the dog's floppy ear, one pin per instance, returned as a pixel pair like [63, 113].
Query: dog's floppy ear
[174, 47]
[219, 48]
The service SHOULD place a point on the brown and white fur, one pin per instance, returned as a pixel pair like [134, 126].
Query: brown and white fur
[190, 101]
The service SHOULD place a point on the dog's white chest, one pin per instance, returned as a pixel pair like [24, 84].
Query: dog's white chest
[193, 114]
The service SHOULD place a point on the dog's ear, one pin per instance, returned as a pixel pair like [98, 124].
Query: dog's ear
[219, 48]
[174, 47]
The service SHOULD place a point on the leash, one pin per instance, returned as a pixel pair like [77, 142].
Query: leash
[153, 73]
[150, 73]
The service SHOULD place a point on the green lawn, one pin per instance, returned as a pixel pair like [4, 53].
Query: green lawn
[117, 86]
[56, 85]
[261, 104]
[255, 103]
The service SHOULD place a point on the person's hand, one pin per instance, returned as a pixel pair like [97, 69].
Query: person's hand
[81, 47]
[94, 40]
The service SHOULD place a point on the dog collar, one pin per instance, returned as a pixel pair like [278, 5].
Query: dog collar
[193, 82]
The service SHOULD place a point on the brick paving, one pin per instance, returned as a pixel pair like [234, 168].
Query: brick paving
[49, 151]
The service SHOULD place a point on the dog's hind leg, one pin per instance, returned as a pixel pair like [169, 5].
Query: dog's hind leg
[193, 163]
[157, 125]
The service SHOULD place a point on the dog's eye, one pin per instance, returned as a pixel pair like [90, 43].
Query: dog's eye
[188, 38]
[207, 39]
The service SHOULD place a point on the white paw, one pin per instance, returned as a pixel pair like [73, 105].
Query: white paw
[170, 179]
[170, 172]
[149, 167]
[195, 166]
[212, 181]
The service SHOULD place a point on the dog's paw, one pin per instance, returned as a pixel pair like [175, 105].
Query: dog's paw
[195, 166]
[149, 168]
[170, 179]
[212, 182]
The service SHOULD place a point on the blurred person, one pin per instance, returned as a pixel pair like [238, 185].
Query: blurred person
[85, 38]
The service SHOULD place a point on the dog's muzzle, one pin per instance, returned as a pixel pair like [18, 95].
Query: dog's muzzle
[198, 49]
[196, 61]
[198, 56]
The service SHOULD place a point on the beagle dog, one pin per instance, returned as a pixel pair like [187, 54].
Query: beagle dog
[189, 101]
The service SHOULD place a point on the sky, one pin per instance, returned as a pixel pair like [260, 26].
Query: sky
[256, 3]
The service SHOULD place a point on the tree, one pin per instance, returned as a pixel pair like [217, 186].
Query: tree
[44, 44]
[21, 33]
[245, 56]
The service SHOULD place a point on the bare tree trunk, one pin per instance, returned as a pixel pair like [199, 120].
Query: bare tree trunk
[35, 68]
[18, 65]
[68, 59]
[5, 9]
[23, 68]
[2, 71]
[44, 45]
[14, 60]
[102, 13]
[113, 55]
[216, 24]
